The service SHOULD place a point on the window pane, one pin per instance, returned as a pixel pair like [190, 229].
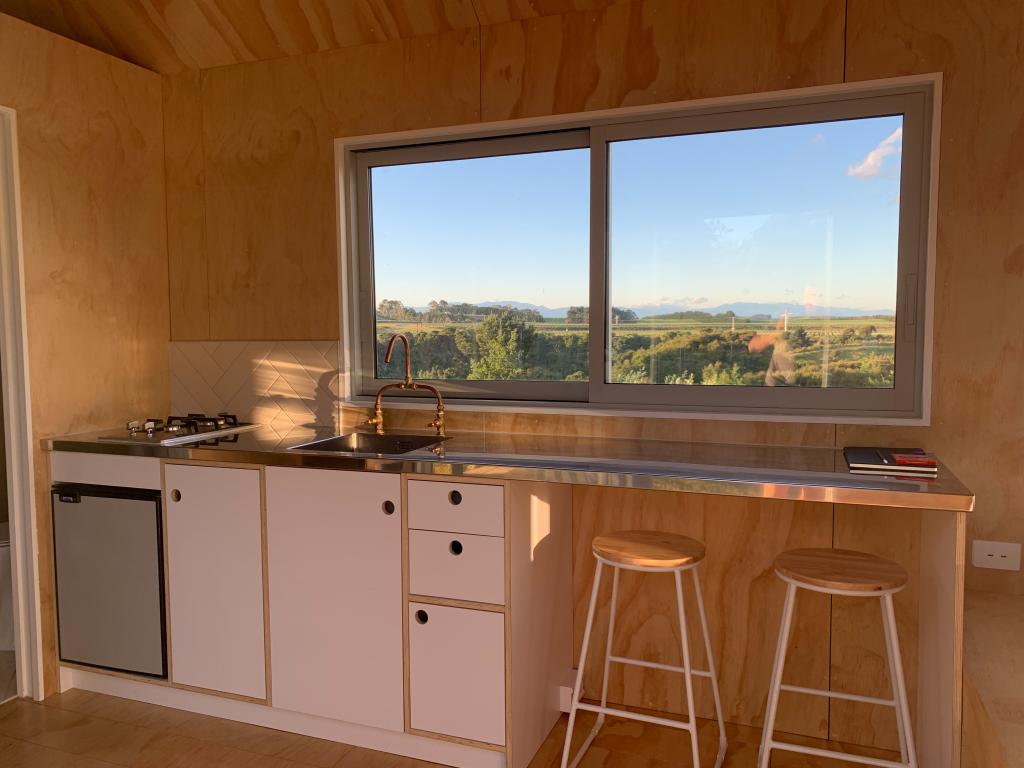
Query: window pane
[484, 264]
[758, 257]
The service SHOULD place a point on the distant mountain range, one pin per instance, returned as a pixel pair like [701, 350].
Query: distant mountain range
[741, 309]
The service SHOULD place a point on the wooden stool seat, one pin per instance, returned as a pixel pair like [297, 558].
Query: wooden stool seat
[842, 570]
[648, 549]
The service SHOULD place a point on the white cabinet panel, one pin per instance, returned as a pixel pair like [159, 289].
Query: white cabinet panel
[334, 544]
[101, 469]
[457, 672]
[215, 578]
[457, 566]
[457, 507]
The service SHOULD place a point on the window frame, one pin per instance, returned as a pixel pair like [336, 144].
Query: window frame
[366, 161]
[916, 99]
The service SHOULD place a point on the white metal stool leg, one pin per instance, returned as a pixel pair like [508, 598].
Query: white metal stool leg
[899, 688]
[711, 670]
[602, 709]
[577, 690]
[908, 755]
[773, 691]
[687, 670]
[607, 666]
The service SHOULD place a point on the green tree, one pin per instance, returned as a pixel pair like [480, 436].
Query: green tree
[392, 309]
[798, 338]
[504, 342]
[438, 312]
[620, 315]
[577, 315]
[717, 373]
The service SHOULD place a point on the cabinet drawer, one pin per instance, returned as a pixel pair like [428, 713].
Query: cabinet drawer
[457, 507]
[458, 566]
[457, 672]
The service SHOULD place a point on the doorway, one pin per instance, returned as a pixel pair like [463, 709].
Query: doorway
[21, 670]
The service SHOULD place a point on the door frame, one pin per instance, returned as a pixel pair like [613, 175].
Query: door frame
[18, 420]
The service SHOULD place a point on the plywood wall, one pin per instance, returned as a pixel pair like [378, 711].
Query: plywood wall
[90, 147]
[251, 203]
[250, 169]
[978, 373]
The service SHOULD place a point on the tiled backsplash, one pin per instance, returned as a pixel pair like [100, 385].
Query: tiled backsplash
[281, 384]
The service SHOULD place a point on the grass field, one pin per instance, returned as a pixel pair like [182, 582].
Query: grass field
[805, 351]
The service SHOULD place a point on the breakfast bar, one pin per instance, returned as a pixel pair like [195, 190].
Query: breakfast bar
[748, 503]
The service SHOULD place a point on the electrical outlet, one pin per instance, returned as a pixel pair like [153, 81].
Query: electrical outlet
[1001, 555]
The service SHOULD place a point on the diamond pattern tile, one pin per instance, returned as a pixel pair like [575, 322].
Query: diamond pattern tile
[284, 385]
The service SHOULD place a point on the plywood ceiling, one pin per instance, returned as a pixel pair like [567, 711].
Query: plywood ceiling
[171, 36]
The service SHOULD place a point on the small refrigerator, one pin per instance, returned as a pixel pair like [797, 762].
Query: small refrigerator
[108, 556]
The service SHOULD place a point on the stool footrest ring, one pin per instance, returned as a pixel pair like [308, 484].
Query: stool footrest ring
[656, 665]
[828, 753]
[838, 695]
[682, 725]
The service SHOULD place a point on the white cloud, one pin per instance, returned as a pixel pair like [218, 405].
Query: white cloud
[871, 165]
[818, 138]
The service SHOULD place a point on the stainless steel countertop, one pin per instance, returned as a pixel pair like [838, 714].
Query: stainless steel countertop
[771, 472]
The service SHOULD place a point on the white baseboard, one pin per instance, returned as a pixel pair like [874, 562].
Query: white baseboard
[407, 745]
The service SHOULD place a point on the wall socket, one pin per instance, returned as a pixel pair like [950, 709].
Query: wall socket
[1001, 555]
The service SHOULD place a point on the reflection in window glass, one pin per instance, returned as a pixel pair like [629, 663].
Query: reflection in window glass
[484, 264]
[760, 257]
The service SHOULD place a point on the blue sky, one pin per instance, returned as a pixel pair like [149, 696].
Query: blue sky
[805, 214]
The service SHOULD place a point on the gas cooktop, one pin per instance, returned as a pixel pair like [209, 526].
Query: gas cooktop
[182, 430]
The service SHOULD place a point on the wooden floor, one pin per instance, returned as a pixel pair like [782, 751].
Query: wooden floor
[88, 730]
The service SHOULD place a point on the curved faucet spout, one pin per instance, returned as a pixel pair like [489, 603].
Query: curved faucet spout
[408, 358]
[378, 411]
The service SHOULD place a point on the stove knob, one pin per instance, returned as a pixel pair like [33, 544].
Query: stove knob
[132, 427]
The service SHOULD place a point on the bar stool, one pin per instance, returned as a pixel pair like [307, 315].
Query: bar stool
[843, 573]
[653, 552]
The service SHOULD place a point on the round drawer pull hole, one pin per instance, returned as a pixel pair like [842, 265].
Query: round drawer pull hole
[175, 495]
[388, 507]
[455, 547]
[421, 617]
[455, 498]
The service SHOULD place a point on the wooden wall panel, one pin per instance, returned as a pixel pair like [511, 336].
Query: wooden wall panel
[657, 51]
[90, 147]
[184, 164]
[743, 599]
[978, 421]
[858, 663]
[270, 201]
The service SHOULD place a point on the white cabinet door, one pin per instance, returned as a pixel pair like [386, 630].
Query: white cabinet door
[215, 578]
[457, 672]
[335, 566]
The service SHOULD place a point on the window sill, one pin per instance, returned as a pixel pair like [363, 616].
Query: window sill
[625, 411]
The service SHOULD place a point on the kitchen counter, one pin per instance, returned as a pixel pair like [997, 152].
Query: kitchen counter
[773, 472]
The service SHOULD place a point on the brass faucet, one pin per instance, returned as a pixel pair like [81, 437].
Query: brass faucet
[378, 413]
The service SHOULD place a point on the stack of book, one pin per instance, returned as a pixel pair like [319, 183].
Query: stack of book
[895, 462]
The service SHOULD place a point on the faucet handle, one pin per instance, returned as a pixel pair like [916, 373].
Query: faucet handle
[438, 423]
[377, 421]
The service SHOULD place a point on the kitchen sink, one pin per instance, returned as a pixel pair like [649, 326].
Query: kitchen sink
[370, 443]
